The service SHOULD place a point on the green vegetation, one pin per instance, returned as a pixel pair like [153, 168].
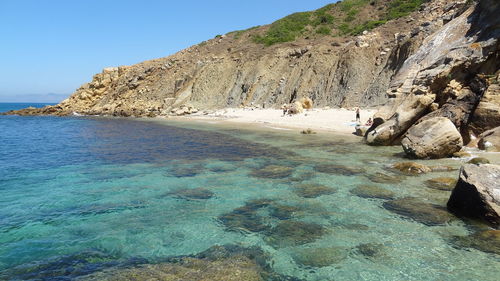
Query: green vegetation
[345, 17]
[323, 30]
[285, 29]
[237, 34]
[402, 8]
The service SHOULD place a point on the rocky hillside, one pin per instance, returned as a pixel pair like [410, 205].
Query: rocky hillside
[344, 54]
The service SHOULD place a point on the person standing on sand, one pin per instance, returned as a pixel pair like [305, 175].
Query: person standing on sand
[358, 118]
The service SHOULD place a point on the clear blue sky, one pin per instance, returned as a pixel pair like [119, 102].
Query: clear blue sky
[54, 46]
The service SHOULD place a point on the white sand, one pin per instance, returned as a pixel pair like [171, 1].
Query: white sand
[334, 120]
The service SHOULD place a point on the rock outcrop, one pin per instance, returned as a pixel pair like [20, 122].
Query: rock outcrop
[406, 112]
[477, 193]
[456, 67]
[490, 140]
[433, 138]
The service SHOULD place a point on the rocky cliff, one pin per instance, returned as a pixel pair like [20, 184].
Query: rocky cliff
[454, 74]
[347, 54]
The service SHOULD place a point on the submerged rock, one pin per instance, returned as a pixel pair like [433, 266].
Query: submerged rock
[477, 193]
[243, 219]
[235, 268]
[272, 172]
[283, 212]
[423, 212]
[487, 241]
[462, 154]
[183, 172]
[313, 190]
[292, 233]
[371, 250]
[338, 169]
[320, 257]
[372, 191]
[478, 160]
[385, 178]
[446, 184]
[192, 193]
[411, 168]
[68, 267]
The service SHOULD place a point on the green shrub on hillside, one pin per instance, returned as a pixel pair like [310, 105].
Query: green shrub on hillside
[323, 30]
[285, 29]
[402, 8]
[322, 21]
[237, 34]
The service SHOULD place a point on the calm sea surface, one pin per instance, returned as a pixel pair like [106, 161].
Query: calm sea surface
[82, 195]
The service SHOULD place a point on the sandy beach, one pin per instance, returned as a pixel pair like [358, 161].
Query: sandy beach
[337, 120]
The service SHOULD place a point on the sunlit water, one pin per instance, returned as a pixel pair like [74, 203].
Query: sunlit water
[114, 190]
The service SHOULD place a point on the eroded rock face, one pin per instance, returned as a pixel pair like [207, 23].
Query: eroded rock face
[477, 193]
[487, 114]
[434, 138]
[406, 114]
[453, 65]
[490, 140]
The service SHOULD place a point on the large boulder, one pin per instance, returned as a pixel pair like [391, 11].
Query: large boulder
[405, 114]
[433, 138]
[477, 193]
[490, 140]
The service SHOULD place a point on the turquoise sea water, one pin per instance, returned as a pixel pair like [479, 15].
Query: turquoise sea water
[117, 192]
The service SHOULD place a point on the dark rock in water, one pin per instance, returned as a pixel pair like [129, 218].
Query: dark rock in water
[478, 160]
[423, 212]
[487, 241]
[243, 219]
[446, 184]
[372, 191]
[477, 193]
[186, 171]
[371, 250]
[218, 263]
[411, 168]
[256, 204]
[272, 172]
[236, 268]
[283, 212]
[320, 257]
[338, 169]
[303, 176]
[246, 218]
[384, 178]
[66, 267]
[292, 233]
[356, 226]
[192, 193]
[313, 190]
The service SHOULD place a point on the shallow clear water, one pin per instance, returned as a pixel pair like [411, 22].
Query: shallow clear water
[81, 186]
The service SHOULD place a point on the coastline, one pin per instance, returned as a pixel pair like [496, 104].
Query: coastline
[338, 121]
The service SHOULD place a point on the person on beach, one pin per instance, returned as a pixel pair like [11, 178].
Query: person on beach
[369, 122]
[358, 117]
